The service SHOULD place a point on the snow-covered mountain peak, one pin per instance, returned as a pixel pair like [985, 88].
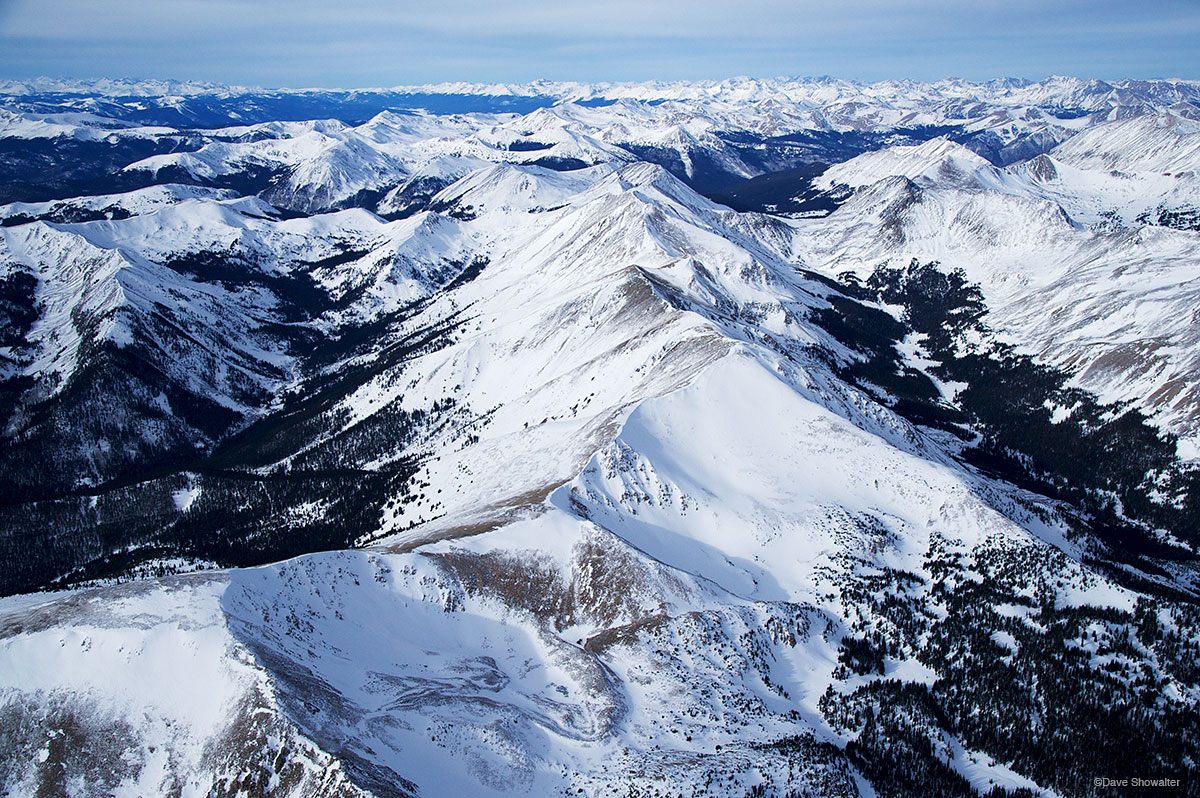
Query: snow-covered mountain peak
[131, 203]
[938, 160]
[1149, 143]
[505, 188]
[1043, 168]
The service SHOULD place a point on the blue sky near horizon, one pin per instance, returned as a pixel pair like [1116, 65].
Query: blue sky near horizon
[361, 43]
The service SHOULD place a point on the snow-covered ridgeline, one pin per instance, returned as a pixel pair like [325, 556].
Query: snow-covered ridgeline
[1061, 246]
[657, 518]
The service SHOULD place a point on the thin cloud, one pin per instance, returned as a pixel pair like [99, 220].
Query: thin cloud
[371, 42]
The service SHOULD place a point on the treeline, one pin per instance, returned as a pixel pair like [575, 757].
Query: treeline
[1057, 694]
[321, 497]
[1034, 429]
[87, 482]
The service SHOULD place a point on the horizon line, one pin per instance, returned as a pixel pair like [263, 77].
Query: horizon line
[88, 85]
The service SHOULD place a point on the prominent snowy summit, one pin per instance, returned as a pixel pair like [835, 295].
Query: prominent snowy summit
[937, 161]
[1150, 143]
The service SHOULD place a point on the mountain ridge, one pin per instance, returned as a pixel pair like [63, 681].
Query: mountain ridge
[541, 470]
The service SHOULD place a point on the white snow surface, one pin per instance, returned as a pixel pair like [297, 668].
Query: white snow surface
[1067, 268]
[634, 552]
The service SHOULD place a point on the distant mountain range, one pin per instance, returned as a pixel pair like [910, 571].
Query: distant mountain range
[753, 437]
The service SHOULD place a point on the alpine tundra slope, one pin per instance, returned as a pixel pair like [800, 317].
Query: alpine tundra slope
[793, 437]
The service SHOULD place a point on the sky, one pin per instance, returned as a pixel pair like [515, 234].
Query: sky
[375, 43]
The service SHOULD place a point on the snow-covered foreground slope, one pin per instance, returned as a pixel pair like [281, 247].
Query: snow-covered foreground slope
[669, 616]
[144, 691]
[553, 476]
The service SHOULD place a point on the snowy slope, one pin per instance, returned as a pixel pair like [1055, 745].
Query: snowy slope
[587, 496]
[659, 646]
[89, 705]
[1149, 143]
[657, 643]
[937, 161]
[133, 203]
[99, 281]
[1082, 297]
